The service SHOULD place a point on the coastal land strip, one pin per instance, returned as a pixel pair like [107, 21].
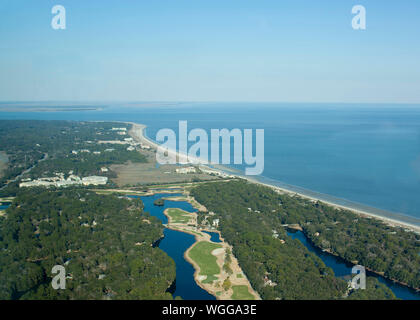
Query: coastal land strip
[236, 287]
[137, 133]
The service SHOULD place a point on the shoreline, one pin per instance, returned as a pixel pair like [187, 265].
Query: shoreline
[390, 221]
[137, 132]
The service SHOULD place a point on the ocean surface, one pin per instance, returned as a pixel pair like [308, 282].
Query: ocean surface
[363, 154]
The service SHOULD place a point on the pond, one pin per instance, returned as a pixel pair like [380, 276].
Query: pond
[214, 236]
[175, 244]
[343, 268]
[4, 205]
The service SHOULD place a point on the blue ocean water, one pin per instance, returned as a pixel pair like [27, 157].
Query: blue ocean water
[369, 154]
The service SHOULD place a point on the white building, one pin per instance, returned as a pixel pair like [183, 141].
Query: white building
[216, 223]
[36, 183]
[71, 180]
[113, 142]
[94, 180]
[144, 146]
[65, 183]
[185, 170]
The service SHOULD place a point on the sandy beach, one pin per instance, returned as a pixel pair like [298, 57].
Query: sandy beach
[137, 132]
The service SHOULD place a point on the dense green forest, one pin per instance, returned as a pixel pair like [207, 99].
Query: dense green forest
[104, 242]
[84, 164]
[27, 142]
[251, 218]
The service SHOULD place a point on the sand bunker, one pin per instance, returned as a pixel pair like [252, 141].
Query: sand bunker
[218, 251]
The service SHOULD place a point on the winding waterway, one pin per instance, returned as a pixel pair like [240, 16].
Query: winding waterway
[343, 268]
[175, 244]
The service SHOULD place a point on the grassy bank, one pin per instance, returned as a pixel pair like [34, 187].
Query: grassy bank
[202, 256]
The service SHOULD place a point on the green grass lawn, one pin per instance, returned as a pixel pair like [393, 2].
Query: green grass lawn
[178, 215]
[210, 279]
[241, 293]
[239, 275]
[201, 254]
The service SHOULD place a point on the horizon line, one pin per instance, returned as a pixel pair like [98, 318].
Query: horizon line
[200, 101]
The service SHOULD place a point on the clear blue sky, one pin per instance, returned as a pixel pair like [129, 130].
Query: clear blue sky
[212, 50]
